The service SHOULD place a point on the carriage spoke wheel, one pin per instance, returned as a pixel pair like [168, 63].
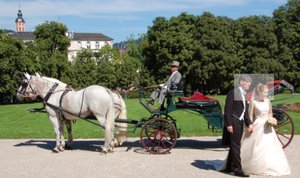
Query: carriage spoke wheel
[158, 136]
[284, 128]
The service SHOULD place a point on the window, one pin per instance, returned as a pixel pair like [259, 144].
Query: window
[88, 45]
[79, 45]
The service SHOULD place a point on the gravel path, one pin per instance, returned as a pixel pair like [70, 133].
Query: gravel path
[33, 158]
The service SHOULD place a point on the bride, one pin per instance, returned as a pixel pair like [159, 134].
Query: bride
[261, 151]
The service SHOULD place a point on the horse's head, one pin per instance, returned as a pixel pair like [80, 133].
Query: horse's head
[32, 86]
[26, 90]
[36, 85]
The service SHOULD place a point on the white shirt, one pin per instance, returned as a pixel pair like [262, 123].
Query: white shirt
[243, 92]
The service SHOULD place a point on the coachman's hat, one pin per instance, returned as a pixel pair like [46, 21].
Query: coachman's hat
[175, 64]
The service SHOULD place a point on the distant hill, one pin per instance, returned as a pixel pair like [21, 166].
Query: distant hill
[124, 44]
[8, 31]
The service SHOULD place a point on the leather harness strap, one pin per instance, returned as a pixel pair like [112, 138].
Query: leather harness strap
[59, 109]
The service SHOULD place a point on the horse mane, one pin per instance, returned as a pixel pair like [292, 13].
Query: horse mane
[54, 80]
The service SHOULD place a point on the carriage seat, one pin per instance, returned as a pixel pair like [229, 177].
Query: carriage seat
[175, 89]
[175, 93]
[196, 98]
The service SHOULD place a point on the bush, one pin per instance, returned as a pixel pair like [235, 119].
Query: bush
[297, 90]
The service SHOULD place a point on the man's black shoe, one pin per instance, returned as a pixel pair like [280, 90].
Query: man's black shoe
[240, 174]
[226, 171]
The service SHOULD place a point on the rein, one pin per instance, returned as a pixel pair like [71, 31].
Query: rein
[23, 91]
[133, 89]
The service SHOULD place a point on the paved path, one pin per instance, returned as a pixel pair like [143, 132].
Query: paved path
[33, 158]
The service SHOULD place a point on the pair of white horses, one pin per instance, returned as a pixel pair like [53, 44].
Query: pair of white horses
[64, 105]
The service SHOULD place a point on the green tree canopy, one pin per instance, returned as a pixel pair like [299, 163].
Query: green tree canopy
[12, 64]
[52, 45]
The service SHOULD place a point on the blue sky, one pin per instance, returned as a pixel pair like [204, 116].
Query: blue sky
[120, 19]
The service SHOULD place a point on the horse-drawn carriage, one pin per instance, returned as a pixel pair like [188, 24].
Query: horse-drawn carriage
[159, 132]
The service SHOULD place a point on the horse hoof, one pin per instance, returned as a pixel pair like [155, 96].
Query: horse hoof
[55, 150]
[104, 152]
[110, 151]
[61, 148]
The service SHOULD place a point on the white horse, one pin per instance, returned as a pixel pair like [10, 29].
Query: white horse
[93, 100]
[120, 112]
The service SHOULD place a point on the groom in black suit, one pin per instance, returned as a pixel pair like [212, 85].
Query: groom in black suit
[236, 114]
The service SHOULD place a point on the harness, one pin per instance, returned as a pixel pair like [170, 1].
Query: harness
[59, 109]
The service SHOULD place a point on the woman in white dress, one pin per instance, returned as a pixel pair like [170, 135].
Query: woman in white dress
[261, 151]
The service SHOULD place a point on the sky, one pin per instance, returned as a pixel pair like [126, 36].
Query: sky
[123, 19]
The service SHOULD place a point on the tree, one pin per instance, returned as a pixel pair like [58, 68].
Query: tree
[258, 45]
[12, 64]
[127, 73]
[200, 43]
[215, 54]
[51, 37]
[85, 66]
[287, 29]
[107, 58]
[52, 45]
[169, 40]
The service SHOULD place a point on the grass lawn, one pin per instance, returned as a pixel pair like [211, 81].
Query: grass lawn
[17, 122]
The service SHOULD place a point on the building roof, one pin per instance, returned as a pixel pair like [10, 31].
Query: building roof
[23, 35]
[71, 35]
[20, 17]
[90, 37]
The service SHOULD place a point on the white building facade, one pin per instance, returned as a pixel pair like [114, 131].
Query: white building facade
[93, 41]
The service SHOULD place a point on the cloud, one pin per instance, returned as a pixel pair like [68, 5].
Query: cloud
[90, 7]
[90, 15]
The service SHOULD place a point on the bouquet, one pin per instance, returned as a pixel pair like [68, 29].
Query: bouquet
[272, 121]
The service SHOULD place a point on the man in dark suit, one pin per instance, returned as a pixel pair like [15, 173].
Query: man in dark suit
[236, 114]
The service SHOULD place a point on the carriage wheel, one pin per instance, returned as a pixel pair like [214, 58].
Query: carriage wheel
[285, 127]
[158, 136]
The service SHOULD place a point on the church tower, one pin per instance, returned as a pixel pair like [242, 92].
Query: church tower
[20, 22]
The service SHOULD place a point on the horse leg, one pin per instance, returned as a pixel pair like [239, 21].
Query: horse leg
[70, 136]
[108, 134]
[61, 136]
[109, 129]
[55, 124]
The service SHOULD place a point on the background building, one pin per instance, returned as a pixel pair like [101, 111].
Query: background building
[20, 22]
[79, 41]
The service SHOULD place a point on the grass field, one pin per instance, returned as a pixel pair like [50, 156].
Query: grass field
[17, 122]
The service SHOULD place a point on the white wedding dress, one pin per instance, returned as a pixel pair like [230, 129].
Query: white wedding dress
[261, 151]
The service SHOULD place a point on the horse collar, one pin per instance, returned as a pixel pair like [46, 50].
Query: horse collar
[50, 92]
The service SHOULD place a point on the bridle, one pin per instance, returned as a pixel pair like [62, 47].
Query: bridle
[24, 87]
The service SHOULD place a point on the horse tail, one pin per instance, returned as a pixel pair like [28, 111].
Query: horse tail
[110, 121]
[121, 113]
